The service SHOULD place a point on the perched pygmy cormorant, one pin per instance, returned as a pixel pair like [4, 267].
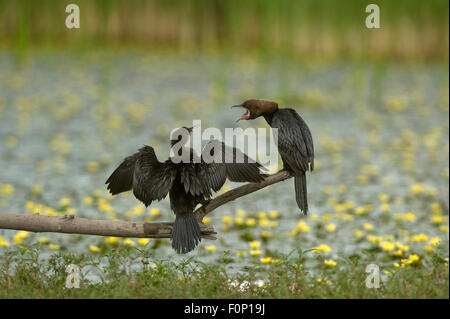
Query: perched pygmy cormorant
[188, 183]
[295, 143]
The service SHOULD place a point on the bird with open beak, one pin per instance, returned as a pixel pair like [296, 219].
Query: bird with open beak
[295, 143]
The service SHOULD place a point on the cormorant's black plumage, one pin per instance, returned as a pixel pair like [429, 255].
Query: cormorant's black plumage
[187, 184]
[295, 143]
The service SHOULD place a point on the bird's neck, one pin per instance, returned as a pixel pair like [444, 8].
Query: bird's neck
[269, 116]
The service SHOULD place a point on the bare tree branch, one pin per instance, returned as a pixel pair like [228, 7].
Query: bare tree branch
[77, 225]
[239, 192]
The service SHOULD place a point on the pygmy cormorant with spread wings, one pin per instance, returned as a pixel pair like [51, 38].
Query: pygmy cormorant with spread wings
[188, 183]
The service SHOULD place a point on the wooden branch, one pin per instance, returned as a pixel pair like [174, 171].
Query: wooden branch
[239, 192]
[76, 225]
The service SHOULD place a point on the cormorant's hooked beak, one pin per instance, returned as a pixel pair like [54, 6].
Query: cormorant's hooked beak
[244, 116]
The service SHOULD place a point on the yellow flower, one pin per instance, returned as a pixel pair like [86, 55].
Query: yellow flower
[44, 240]
[94, 249]
[293, 233]
[264, 222]
[92, 166]
[6, 189]
[410, 217]
[128, 242]
[384, 198]
[419, 237]
[254, 244]
[255, 252]
[436, 208]
[386, 245]
[206, 220]
[444, 229]
[330, 227]
[330, 262]
[48, 211]
[240, 253]
[97, 193]
[302, 227]
[432, 191]
[3, 242]
[414, 258]
[138, 210]
[155, 212]
[323, 248]
[360, 210]
[112, 240]
[266, 234]
[438, 219]
[240, 213]
[262, 215]
[417, 188]
[398, 253]
[250, 222]
[36, 189]
[238, 221]
[342, 189]
[154, 266]
[88, 200]
[54, 247]
[71, 211]
[273, 224]
[274, 214]
[210, 248]
[358, 233]
[20, 236]
[435, 241]
[374, 239]
[428, 249]
[385, 207]
[368, 227]
[328, 190]
[143, 241]
[266, 260]
[30, 206]
[401, 246]
[362, 179]
[227, 219]
[64, 202]
[11, 141]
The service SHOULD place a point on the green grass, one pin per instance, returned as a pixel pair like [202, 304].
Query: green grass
[23, 274]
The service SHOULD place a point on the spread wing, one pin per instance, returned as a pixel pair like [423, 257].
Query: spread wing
[142, 172]
[295, 142]
[121, 180]
[220, 162]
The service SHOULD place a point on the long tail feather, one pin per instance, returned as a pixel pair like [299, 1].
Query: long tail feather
[301, 193]
[186, 233]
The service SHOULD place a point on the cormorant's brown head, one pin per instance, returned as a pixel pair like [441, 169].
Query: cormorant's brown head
[255, 108]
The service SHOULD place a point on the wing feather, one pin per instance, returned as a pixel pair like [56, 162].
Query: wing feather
[295, 142]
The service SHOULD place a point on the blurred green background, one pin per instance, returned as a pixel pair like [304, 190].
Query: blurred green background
[326, 29]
